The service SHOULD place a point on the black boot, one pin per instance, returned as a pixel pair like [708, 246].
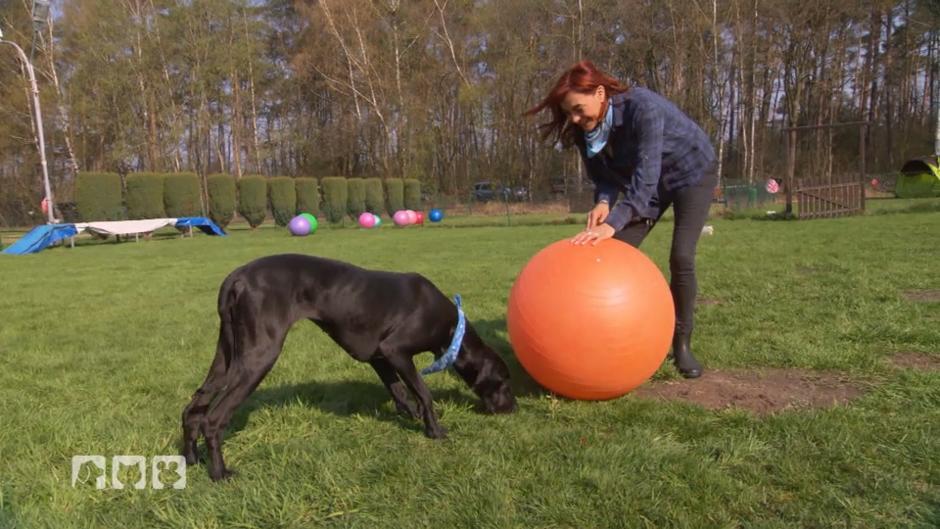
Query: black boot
[682, 357]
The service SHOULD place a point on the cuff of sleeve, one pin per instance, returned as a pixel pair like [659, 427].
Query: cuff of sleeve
[619, 216]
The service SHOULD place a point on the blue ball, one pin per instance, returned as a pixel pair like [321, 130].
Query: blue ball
[435, 215]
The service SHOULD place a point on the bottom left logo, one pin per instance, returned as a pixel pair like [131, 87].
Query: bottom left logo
[98, 470]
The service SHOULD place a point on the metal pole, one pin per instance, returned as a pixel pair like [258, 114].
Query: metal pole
[37, 116]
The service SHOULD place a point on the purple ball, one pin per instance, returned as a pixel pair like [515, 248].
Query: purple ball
[299, 226]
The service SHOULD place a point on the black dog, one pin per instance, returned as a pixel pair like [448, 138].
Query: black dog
[383, 318]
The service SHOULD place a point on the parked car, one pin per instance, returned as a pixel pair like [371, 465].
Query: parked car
[486, 190]
[560, 186]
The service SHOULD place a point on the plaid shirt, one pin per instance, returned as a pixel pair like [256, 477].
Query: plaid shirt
[652, 144]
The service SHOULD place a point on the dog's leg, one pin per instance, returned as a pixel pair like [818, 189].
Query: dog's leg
[195, 411]
[394, 385]
[240, 386]
[405, 367]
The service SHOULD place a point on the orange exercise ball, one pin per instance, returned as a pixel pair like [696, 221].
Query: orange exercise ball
[591, 322]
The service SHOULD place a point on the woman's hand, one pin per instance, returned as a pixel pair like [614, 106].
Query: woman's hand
[598, 214]
[594, 235]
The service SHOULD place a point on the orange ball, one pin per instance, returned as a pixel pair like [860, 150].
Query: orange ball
[591, 322]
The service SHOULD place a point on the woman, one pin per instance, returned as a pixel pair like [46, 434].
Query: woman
[643, 155]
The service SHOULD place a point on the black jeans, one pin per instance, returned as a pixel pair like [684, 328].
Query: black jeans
[691, 206]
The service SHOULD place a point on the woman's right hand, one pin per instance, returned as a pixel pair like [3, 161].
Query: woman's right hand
[598, 214]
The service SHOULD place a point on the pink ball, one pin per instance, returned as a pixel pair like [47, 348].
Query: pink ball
[412, 216]
[367, 220]
[420, 219]
[401, 218]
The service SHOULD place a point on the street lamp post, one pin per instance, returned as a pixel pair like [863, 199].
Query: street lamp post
[37, 116]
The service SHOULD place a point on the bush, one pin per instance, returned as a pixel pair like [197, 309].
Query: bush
[181, 195]
[221, 189]
[394, 189]
[335, 198]
[375, 197]
[412, 193]
[253, 199]
[144, 197]
[98, 196]
[356, 189]
[283, 199]
[308, 195]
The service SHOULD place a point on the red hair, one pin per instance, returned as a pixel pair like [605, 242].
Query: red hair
[583, 78]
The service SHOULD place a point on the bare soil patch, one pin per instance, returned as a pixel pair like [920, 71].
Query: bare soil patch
[762, 392]
[919, 361]
[930, 296]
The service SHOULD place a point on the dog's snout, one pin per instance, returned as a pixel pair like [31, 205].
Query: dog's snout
[502, 401]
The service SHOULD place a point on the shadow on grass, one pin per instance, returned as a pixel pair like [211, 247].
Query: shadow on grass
[344, 398]
[351, 397]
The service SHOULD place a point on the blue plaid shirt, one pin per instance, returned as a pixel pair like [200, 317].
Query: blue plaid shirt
[652, 143]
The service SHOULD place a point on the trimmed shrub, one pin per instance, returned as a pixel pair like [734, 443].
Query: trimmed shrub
[356, 189]
[253, 199]
[283, 197]
[181, 195]
[221, 189]
[98, 196]
[335, 198]
[375, 196]
[144, 196]
[412, 193]
[308, 195]
[394, 189]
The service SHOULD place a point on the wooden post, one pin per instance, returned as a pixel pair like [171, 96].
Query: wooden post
[791, 168]
[862, 132]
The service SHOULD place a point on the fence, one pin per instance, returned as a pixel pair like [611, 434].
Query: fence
[824, 200]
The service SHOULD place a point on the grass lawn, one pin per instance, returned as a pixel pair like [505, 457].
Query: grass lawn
[102, 346]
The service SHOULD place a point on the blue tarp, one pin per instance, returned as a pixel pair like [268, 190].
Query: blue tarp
[206, 225]
[41, 237]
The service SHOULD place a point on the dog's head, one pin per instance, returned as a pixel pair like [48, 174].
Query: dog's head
[486, 373]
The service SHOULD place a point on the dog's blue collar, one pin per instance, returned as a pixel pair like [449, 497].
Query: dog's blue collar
[448, 358]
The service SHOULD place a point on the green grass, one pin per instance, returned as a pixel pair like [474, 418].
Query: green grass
[102, 346]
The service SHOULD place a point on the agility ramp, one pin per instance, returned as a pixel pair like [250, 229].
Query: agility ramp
[46, 235]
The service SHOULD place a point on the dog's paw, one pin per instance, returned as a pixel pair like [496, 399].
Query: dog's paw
[191, 457]
[436, 433]
[224, 475]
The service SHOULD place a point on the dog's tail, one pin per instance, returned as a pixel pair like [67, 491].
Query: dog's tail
[228, 314]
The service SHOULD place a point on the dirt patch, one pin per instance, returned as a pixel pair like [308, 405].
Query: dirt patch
[932, 296]
[919, 361]
[761, 392]
[707, 301]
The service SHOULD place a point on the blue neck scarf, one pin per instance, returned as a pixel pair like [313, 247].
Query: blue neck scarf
[448, 358]
[596, 139]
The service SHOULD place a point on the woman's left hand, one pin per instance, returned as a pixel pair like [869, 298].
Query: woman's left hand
[594, 235]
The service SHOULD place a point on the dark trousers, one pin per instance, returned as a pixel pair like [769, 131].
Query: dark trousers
[691, 206]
